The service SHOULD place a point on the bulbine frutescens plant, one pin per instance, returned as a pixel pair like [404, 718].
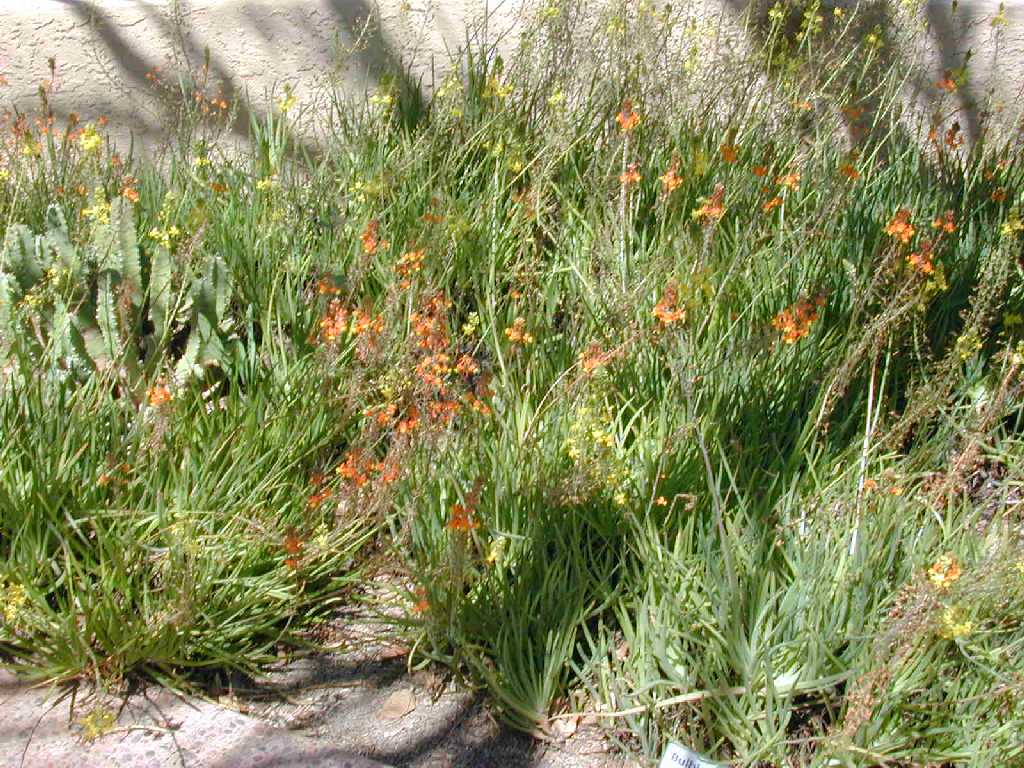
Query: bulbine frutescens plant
[685, 380]
[79, 310]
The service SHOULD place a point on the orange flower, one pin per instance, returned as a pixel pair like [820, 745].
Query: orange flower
[998, 195]
[159, 394]
[442, 411]
[595, 358]
[383, 413]
[945, 571]
[466, 365]
[795, 322]
[354, 468]
[409, 263]
[130, 193]
[667, 311]
[627, 118]
[954, 138]
[712, 207]
[428, 324]
[661, 501]
[432, 218]
[371, 238]
[411, 421]
[921, 260]
[852, 112]
[772, 204]
[760, 171]
[461, 519]
[318, 498]
[945, 222]
[671, 180]
[292, 543]
[363, 322]
[517, 333]
[630, 176]
[334, 322]
[326, 287]
[946, 82]
[790, 180]
[389, 471]
[293, 546]
[218, 188]
[900, 226]
[422, 604]
[849, 171]
[432, 370]
[729, 153]
[477, 404]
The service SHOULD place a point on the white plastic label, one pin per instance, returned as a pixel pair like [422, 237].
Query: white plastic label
[681, 757]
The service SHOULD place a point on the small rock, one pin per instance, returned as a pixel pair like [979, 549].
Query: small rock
[390, 652]
[398, 705]
[564, 728]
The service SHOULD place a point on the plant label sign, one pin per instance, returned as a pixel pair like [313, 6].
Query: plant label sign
[681, 757]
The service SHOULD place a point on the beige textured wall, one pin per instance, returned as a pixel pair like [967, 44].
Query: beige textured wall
[105, 48]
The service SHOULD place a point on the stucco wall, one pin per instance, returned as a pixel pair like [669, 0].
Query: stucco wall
[107, 52]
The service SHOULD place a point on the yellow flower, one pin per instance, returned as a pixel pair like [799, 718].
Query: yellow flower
[4, 174]
[165, 237]
[99, 211]
[496, 89]
[98, 722]
[945, 571]
[1012, 226]
[619, 498]
[287, 102]
[472, 324]
[968, 344]
[496, 552]
[266, 183]
[954, 624]
[382, 97]
[90, 140]
[14, 599]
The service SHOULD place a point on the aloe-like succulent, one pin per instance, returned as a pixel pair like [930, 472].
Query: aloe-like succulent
[89, 309]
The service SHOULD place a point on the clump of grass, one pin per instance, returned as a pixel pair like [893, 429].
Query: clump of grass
[691, 403]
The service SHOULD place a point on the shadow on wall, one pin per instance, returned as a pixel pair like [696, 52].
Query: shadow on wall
[211, 43]
[133, 58]
[948, 25]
